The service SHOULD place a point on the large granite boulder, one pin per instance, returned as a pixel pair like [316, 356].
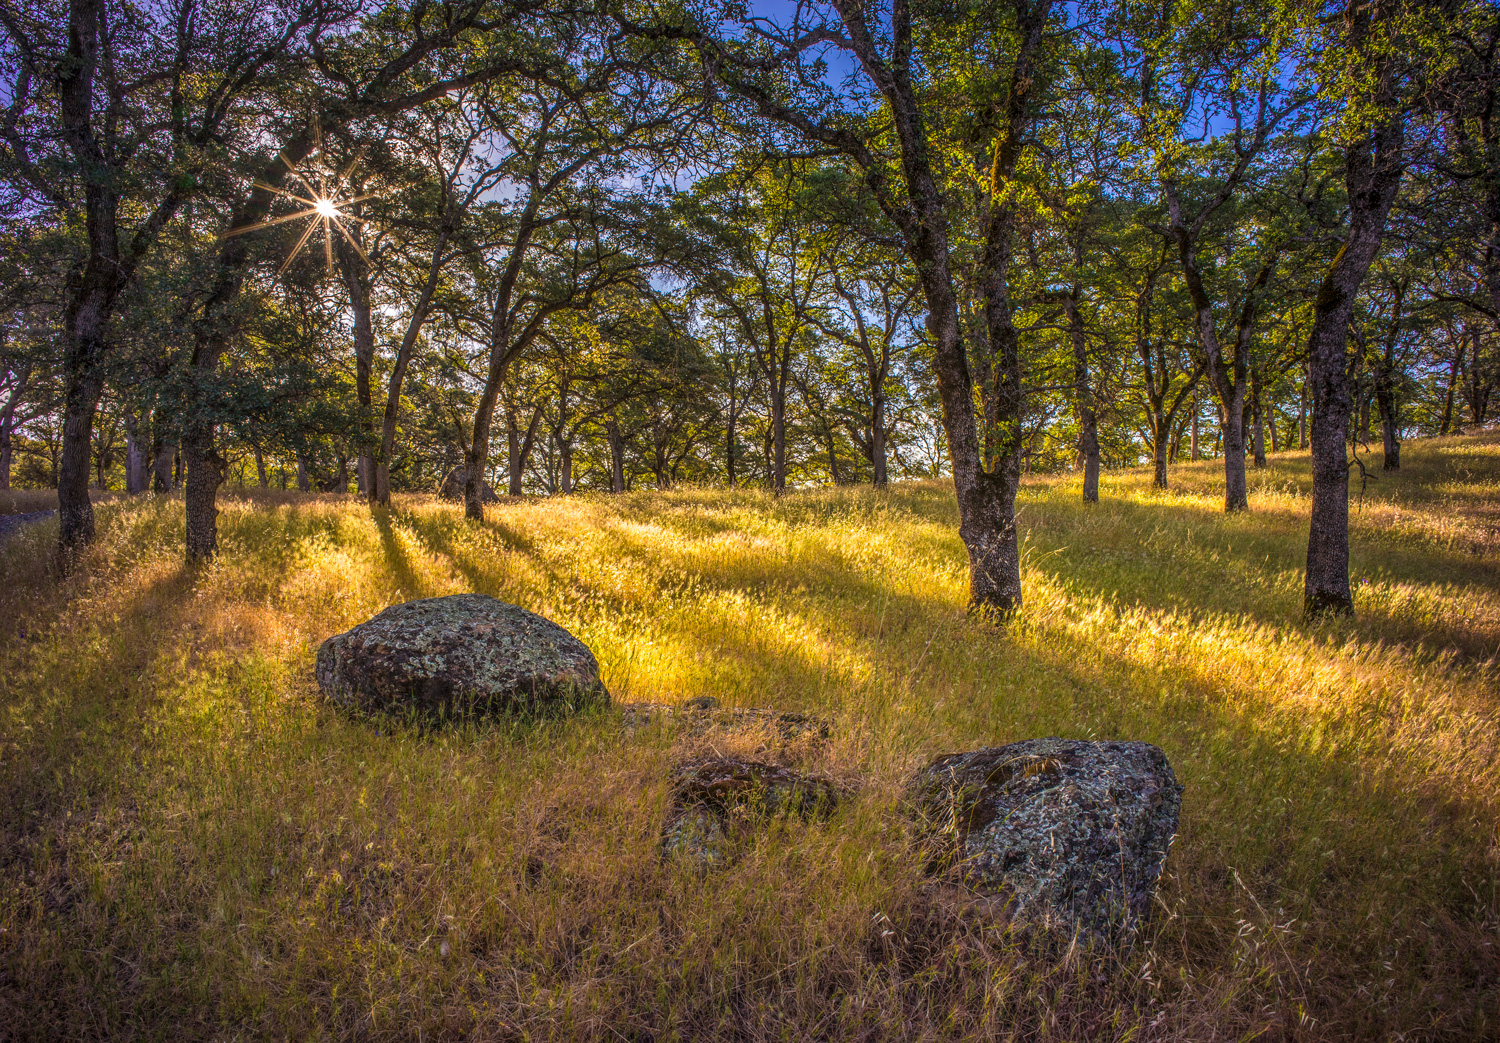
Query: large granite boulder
[463, 654]
[1069, 834]
[452, 487]
[717, 802]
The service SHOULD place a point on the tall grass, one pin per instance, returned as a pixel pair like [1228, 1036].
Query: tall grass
[194, 845]
[29, 501]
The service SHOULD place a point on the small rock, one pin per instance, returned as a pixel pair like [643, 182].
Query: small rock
[702, 714]
[716, 801]
[466, 653]
[641, 715]
[1073, 834]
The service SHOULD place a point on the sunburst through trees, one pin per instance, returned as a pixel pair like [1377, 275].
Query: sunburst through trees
[323, 207]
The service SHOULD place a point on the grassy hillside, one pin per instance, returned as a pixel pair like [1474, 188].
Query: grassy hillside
[193, 845]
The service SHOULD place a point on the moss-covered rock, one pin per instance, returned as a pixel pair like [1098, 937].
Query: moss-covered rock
[1073, 834]
[463, 654]
[718, 801]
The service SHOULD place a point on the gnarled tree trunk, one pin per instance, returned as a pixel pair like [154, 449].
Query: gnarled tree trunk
[1372, 171]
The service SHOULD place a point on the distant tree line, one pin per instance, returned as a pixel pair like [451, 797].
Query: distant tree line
[556, 247]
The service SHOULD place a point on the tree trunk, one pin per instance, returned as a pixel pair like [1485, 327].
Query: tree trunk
[1227, 375]
[1302, 415]
[1083, 399]
[161, 468]
[135, 458]
[520, 446]
[1472, 392]
[1159, 437]
[729, 437]
[1478, 390]
[260, 468]
[616, 456]
[398, 371]
[303, 484]
[513, 449]
[1193, 445]
[86, 321]
[383, 481]
[1236, 485]
[205, 473]
[778, 440]
[992, 539]
[1257, 412]
[355, 269]
[80, 403]
[1372, 172]
[1386, 399]
[877, 441]
[1385, 382]
[211, 339]
[1455, 368]
[477, 452]
[986, 498]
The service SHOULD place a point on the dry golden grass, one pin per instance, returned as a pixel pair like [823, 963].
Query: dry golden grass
[194, 846]
[29, 501]
[26, 501]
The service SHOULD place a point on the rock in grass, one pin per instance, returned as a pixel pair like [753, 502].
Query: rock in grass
[453, 486]
[1072, 834]
[459, 655]
[717, 801]
[702, 714]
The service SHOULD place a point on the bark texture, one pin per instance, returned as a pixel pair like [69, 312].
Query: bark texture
[1372, 173]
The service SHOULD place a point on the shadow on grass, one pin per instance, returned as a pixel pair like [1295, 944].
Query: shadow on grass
[408, 582]
[1262, 801]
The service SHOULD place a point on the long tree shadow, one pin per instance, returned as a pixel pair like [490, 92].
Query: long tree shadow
[1357, 844]
[395, 555]
[1179, 561]
[444, 534]
[1265, 799]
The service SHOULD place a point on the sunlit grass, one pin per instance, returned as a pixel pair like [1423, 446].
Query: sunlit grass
[195, 845]
[25, 501]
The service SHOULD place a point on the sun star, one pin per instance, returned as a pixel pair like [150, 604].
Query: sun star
[322, 211]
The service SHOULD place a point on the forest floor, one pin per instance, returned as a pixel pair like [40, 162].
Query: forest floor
[194, 845]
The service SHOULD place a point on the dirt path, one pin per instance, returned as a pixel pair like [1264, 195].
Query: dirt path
[10, 523]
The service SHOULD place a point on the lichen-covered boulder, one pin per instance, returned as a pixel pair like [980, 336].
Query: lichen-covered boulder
[718, 801]
[1072, 834]
[463, 654]
[452, 487]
